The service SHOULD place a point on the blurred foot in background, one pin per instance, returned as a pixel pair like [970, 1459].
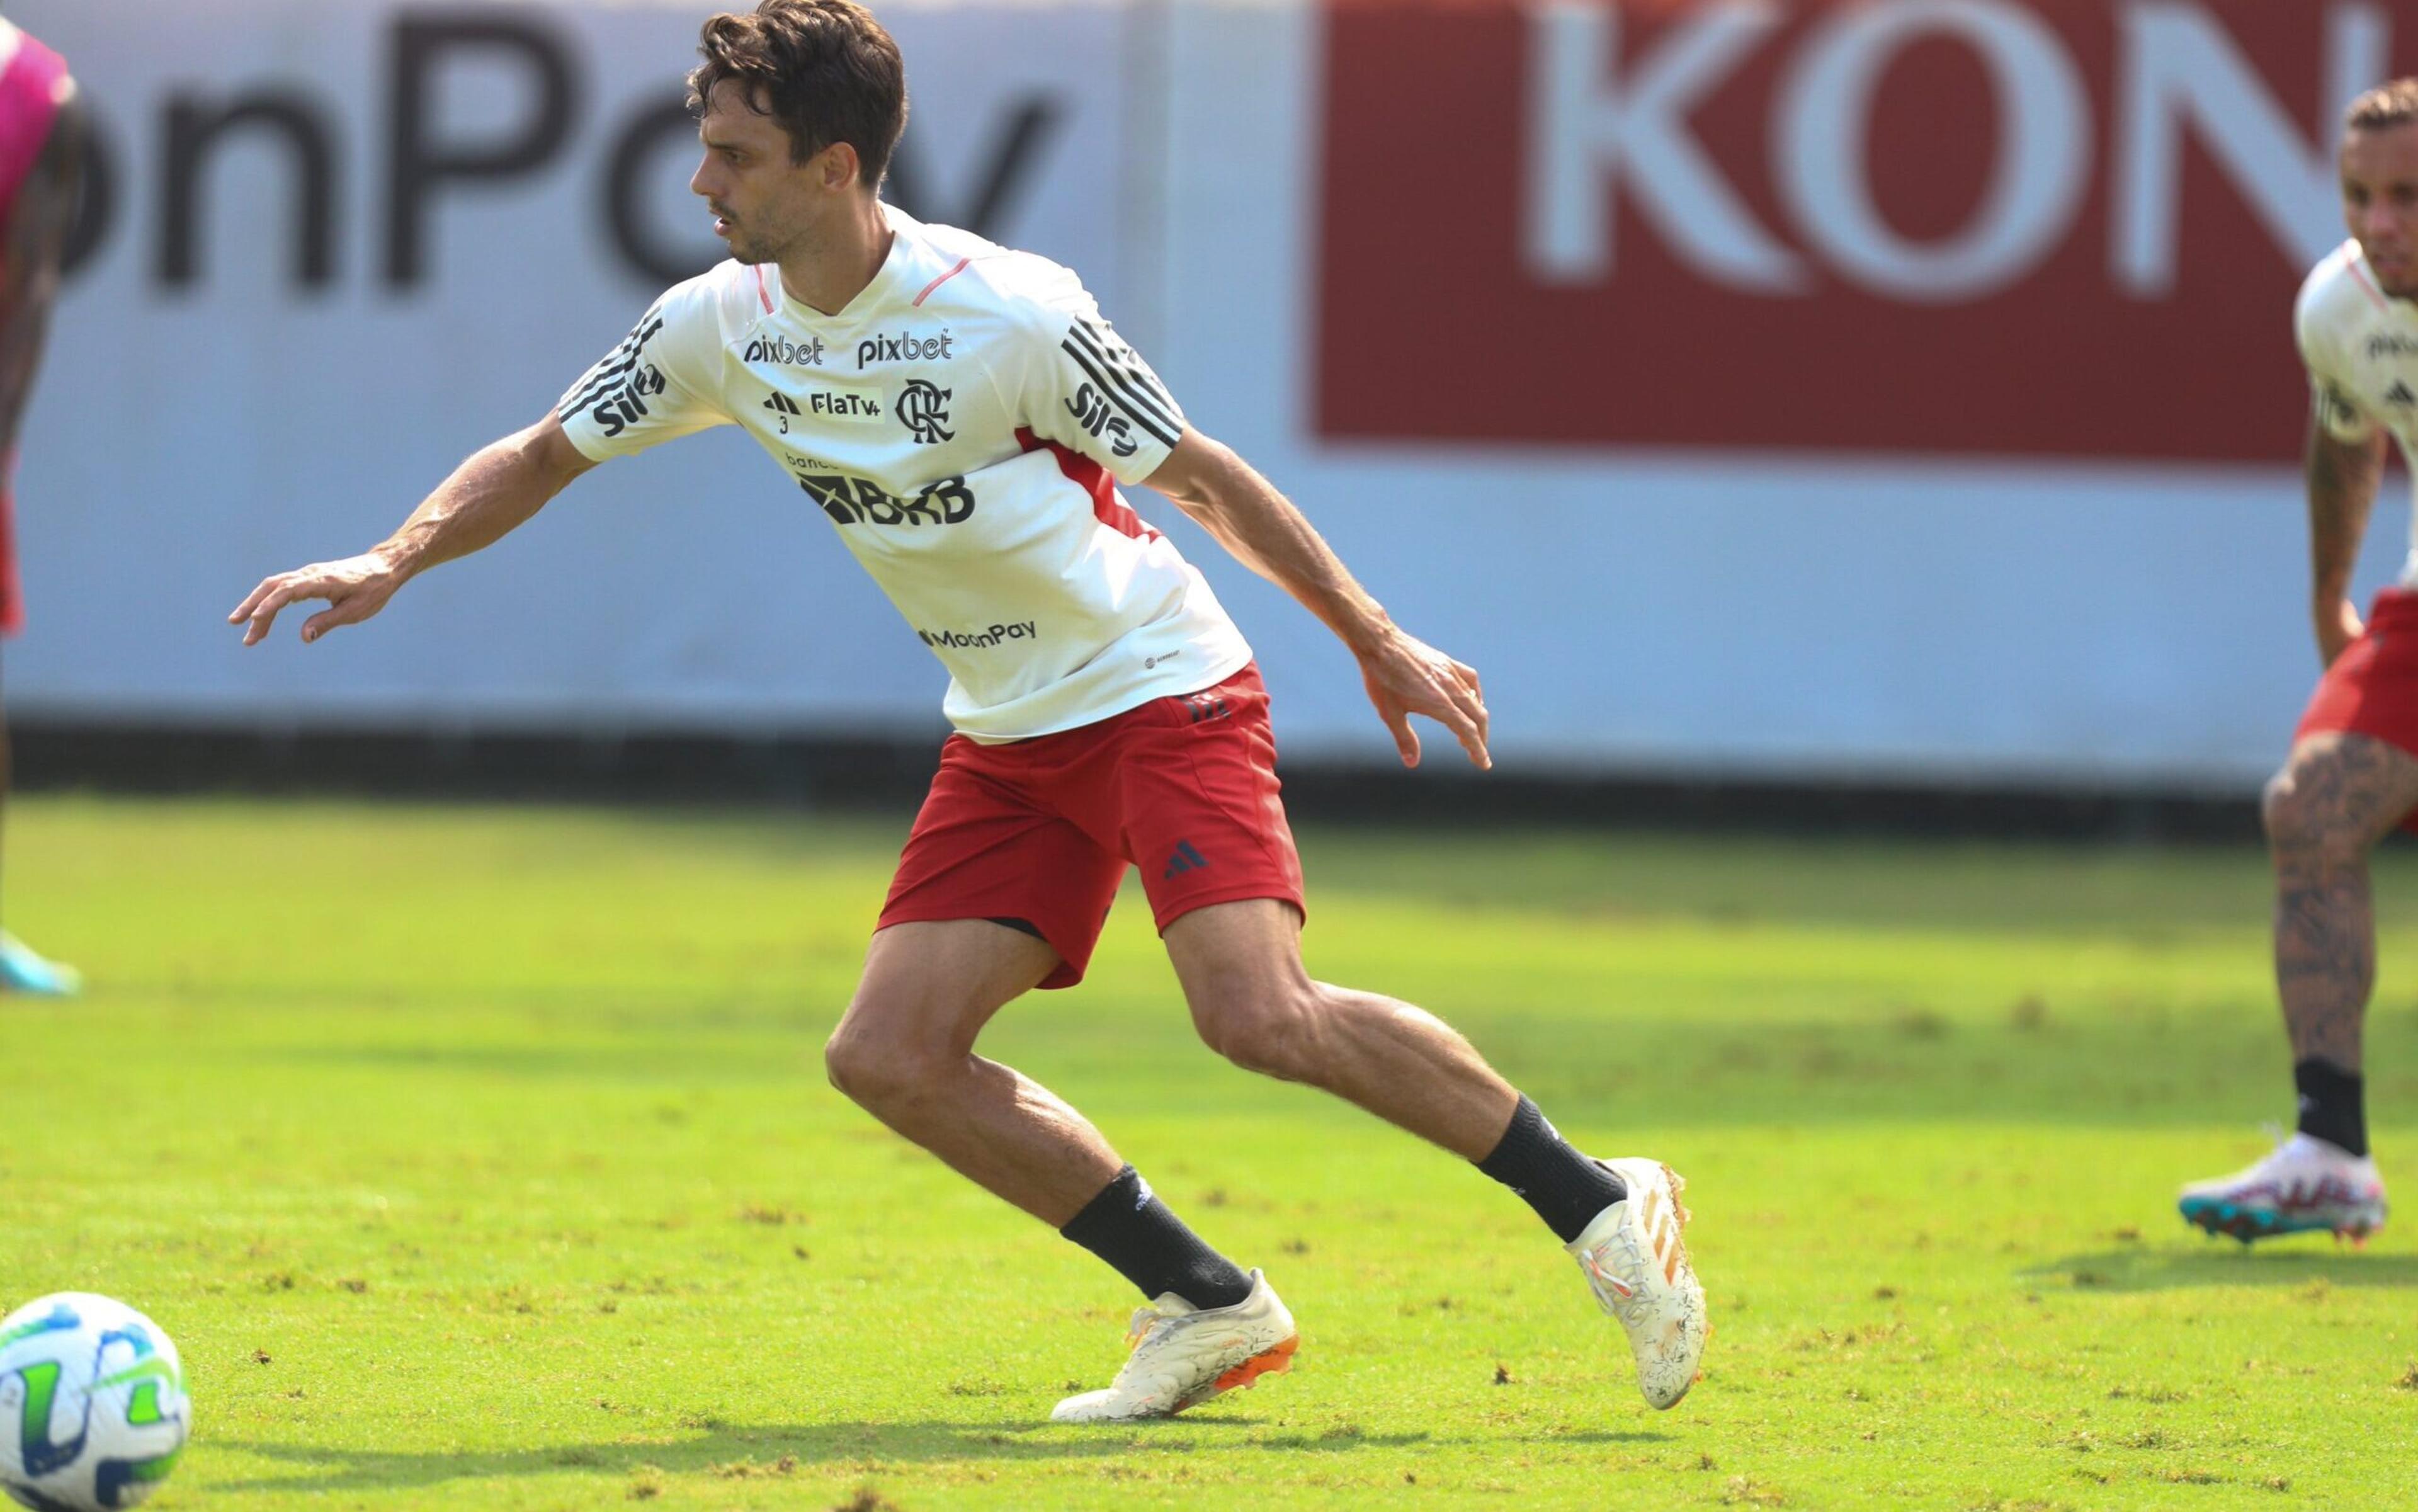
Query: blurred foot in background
[22, 971]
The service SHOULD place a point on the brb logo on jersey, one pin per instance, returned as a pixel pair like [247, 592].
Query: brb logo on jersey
[782, 352]
[853, 500]
[925, 409]
[905, 347]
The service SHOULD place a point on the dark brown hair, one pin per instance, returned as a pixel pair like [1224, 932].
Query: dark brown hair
[2392, 104]
[824, 69]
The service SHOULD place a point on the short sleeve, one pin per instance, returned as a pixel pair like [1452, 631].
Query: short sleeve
[1086, 390]
[2332, 406]
[657, 385]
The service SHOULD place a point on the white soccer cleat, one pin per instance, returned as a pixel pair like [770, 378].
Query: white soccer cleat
[1635, 1256]
[2307, 1185]
[1182, 1357]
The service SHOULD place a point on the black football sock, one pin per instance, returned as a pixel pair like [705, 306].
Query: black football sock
[1128, 1226]
[1565, 1187]
[2331, 1105]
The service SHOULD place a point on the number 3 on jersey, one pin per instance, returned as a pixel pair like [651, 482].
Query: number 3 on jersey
[784, 407]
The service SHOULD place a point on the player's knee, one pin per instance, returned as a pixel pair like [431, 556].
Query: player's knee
[2299, 820]
[1276, 1033]
[874, 1070]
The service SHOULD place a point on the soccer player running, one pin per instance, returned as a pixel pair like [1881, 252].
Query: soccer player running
[2353, 775]
[962, 415]
[42, 161]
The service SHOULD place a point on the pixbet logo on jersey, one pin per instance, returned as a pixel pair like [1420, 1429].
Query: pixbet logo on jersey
[905, 347]
[2003, 227]
[783, 352]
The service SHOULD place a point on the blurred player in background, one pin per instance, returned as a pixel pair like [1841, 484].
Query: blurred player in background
[961, 414]
[2353, 775]
[41, 156]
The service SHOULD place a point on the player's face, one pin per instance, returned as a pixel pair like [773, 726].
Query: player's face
[2380, 188]
[765, 203]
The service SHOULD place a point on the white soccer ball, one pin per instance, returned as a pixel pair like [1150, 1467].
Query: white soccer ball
[93, 1411]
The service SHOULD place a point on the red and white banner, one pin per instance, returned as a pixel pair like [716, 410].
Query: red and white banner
[2067, 228]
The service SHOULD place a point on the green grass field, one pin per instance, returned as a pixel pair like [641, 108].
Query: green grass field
[482, 1159]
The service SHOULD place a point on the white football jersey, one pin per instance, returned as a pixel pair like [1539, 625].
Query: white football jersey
[2361, 348]
[963, 424]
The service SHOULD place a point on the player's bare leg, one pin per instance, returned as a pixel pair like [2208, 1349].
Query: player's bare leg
[1254, 1001]
[2337, 794]
[905, 1052]
[2335, 798]
[30, 252]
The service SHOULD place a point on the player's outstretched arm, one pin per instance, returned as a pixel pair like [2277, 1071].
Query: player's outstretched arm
[2343, 477]
[1268, 534]
[497, 490]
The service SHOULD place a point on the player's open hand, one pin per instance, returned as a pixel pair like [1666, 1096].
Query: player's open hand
[355, 588]
[1406, 676]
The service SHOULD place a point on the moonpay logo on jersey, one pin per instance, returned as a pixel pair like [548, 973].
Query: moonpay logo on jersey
[979, 640]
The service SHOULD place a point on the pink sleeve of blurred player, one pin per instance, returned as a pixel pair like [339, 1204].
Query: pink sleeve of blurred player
[29, 102]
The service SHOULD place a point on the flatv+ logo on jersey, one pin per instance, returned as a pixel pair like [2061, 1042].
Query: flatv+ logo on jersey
[924, 409]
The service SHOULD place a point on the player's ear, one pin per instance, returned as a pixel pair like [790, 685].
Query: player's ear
[837, 167]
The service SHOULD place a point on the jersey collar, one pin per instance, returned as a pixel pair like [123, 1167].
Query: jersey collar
[896, 273]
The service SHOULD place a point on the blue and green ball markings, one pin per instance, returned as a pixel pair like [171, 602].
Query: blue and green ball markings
[155, 1401]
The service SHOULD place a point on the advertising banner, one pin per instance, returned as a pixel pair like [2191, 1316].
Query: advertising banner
[2055, 228]
[1893, 389]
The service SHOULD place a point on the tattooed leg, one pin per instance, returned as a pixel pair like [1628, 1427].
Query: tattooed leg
[2336, 795]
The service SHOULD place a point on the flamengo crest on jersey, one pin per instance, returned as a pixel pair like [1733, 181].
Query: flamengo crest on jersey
[963, 424]
[2361, 348]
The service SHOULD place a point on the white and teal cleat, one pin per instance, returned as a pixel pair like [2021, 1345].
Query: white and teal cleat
[2307, 1185]
[1183, 1355]
[25, 972]
[1635, 1256]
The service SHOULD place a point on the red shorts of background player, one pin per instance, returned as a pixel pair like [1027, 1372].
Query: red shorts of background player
[2372, 688]
[1039, 831]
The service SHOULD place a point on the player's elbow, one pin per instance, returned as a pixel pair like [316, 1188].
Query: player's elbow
[547, 454]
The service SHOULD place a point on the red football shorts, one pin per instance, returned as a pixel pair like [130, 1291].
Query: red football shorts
[2372, 688]
[1042, 831]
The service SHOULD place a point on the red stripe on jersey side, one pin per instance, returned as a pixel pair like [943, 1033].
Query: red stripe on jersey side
[1094, 480]
[761, 291]
[938, 281]
[2373, 291]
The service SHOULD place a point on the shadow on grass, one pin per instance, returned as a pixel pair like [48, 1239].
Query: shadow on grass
[2144, 1268]
[759, 1452]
